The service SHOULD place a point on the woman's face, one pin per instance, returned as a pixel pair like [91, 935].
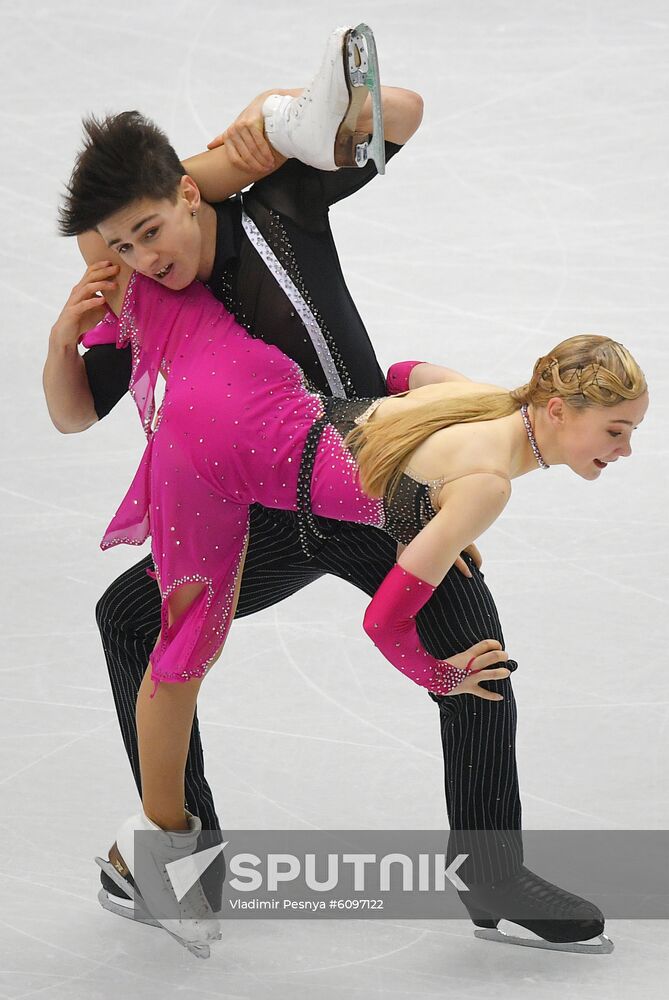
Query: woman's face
[593, 438]
[159, 238]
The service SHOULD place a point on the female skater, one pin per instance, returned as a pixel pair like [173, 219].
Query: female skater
[432, 466]
[237, 426]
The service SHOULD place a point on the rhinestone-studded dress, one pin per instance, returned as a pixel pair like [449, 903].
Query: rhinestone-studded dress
[415, 501]
[235, 426]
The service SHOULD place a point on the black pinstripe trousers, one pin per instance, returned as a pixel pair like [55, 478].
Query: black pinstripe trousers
[478, 736]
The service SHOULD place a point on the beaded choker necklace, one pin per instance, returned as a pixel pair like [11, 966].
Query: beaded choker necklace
[533, 440]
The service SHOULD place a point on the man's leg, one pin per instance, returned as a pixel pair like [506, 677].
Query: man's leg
[294, 202]
[478, 736]
[478, 741]
[290, 210]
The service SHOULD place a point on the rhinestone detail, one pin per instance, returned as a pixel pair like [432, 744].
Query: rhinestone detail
[301, 308]
[532, 439]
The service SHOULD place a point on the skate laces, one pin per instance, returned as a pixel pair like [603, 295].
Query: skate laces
[298, 104]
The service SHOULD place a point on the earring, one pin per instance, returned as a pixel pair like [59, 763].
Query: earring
[193, 214]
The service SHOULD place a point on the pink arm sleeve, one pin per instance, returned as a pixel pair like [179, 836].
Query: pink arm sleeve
[390, 622]
[397, 379]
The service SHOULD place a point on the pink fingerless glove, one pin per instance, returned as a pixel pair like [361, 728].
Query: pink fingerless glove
[397, 379]
[390, 623]
[104, 333]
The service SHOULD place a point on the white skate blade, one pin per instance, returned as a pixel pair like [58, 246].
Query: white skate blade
[117, 906]
[120, 907]
[198, 948]
[116, 877]
[367, 74]
[123, 907]
[603, 945]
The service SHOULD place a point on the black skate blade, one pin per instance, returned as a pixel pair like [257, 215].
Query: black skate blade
[603, 945]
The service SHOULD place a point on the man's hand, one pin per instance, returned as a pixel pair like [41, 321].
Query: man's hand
[486, 653]
[462, 565]
[66, 386]
[84, 307]
[245, 138]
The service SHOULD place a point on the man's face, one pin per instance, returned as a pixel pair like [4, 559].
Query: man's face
[159, 238]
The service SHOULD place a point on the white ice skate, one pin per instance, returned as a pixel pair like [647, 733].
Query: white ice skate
[164, 868]
[320, 127]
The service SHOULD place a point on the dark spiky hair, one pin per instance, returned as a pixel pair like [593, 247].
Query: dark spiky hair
[125, 157]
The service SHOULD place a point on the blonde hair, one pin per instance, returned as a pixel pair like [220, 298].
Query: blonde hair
[585, 371]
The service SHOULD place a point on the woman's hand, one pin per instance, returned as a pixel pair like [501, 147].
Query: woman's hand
[84, 307]
[462, 565]
[245, 138]
[487, 652]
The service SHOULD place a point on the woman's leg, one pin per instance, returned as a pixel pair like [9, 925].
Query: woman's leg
[218, 174]
[163, 733]
[128, 618]
[164, 725]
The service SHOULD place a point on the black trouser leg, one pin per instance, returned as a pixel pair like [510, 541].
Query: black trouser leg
[478, 737]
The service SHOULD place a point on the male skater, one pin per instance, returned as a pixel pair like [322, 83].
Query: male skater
[270, 258]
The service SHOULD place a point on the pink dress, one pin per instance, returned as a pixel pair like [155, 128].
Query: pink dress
[230, 432]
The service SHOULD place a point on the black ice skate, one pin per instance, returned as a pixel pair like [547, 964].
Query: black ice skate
[559, 920]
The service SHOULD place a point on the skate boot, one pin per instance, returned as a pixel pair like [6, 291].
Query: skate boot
[117, 892]
[320, 127]
[560, 920]
[167, 870]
